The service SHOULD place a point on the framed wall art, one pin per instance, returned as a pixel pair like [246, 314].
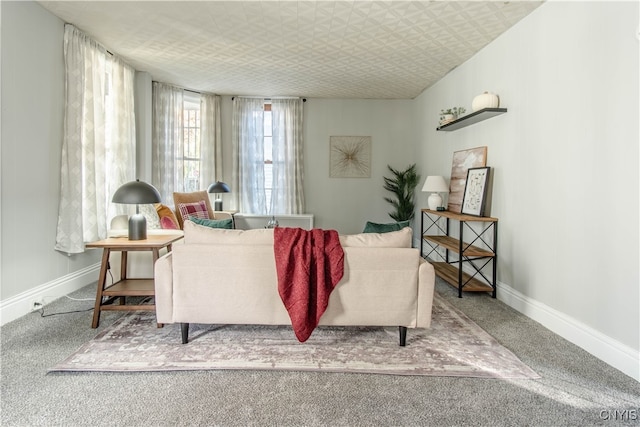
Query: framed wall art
[462, 161]
[350, 157]
[475, 191]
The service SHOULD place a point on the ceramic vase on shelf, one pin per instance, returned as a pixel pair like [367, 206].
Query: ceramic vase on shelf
[485, 100]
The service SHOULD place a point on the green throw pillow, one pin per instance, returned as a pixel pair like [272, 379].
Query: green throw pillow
[372, 227]
[213, 223]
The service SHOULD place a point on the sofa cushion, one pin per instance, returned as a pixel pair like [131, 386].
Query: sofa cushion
[167, 217]
[372, 227]
[195, 209]
[392, 239]
[213, 223]
[193, 197]
[166, 223]
[151, 215]
[199, 234]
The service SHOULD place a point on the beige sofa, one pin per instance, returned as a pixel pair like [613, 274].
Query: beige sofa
[229, 277]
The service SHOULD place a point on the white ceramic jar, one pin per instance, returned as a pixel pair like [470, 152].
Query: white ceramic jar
[485, 100]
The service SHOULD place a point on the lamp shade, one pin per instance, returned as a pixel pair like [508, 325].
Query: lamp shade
[435, 184]
[136, 192]
[218, 187]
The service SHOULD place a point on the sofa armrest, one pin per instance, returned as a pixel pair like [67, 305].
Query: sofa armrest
[163, 282]
[426, 288]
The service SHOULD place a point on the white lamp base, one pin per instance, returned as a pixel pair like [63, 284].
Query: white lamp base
[435, 201]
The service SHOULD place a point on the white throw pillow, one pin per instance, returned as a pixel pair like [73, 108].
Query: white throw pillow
[151, 215]
[392, 239]
[199, 234]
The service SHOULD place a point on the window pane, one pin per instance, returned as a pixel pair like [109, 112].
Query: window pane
[191, 175]
[268, 152]
[268, 123]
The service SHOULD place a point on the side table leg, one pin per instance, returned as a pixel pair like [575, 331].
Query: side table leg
[123, 272]
[101, 282]
[156, 255]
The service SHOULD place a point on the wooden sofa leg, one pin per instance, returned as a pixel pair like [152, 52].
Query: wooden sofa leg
[403, 335]
[184, 329]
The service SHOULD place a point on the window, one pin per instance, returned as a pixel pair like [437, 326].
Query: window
[268, 154]
[268, 166]
[186, 142]
[190, 155]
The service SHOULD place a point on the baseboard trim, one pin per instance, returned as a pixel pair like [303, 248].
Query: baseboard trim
[21, 304]
[605, 348]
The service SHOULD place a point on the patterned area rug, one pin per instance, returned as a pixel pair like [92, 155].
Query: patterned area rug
[453, 346]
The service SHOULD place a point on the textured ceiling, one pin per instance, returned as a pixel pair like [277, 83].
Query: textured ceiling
[317, 49]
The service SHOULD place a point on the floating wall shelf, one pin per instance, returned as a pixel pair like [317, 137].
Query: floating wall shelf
[478, 116]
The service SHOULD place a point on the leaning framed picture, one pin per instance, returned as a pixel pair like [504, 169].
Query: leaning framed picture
[462, 161]
[475, 191]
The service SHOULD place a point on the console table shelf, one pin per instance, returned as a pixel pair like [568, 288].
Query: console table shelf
[478, 254]
[453, 244]
[449, 274]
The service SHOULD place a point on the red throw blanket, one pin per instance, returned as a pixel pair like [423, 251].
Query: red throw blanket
[309, 263]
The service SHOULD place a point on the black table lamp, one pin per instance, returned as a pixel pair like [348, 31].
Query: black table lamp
[218, 187]
[137, 193]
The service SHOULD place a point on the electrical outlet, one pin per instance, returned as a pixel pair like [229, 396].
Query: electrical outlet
[37, 305]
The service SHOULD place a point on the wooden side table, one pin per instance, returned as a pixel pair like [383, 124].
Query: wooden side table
[126, 287]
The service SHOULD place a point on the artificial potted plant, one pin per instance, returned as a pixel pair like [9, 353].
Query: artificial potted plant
[402, 185]
[451, 114]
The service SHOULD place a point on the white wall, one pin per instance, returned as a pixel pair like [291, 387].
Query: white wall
[32, 122]
[346, 204]
[565, 161]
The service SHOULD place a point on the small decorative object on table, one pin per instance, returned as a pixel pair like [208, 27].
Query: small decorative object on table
[272, 223]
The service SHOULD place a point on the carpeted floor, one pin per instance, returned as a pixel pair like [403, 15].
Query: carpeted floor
[574, 388]
[453, 346]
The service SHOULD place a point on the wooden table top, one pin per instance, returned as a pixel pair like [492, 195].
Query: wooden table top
[152, 241]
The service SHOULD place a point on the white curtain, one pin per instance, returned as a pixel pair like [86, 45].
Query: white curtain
[168, 140]
[248, 155]
[98, 149]
[211, 140]
[287, 196]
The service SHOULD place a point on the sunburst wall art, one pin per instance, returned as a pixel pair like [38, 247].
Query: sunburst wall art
[350, 157]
